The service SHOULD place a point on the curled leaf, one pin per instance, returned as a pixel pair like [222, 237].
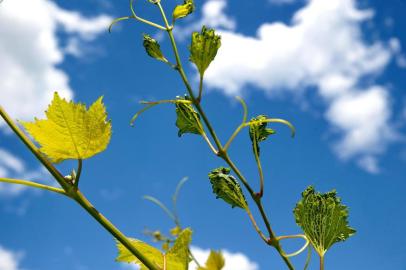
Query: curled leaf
[153, 48]
[203, 48]
[71, 131]
[181, 11]
[259, 131]
[323, 218]
[226, 187]
[188, 120]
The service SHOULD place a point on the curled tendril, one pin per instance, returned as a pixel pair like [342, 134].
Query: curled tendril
[118, 20]
[247, 124]
[273, 120]
[150, 104]
[291, 237]
[136, 17]
[244, 106]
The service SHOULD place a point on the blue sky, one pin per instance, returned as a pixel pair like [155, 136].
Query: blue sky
[335, 69]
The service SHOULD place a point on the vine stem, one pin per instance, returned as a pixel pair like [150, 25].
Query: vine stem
[221, 152]
[254, 223]
[75, 194]
[259, 166]
[321, 262]
[33, 184]
[79, 173]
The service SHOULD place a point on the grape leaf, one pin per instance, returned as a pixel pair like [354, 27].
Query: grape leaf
[179, 253]
[323, 218]
[258, 131]
[153, 254]
[153, 48]
[188, 120]
[71, 131]
[226, 187]
[181, 11]
[177, 258]
[214, 262]
[203, 48]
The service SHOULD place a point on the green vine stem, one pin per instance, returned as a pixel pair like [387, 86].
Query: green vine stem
[259, 166]
[72, 192]
[321, 262]
[221, 151]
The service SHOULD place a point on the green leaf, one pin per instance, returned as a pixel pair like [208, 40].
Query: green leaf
[153, 48]
[181, 11]
[226, 187]
[70, 130]
[258, 131]
[188, 120]
[203, 48]
[323, 218]
[177, 258]
[215, 261]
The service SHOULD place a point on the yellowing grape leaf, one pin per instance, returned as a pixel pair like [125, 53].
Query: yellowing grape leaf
[71, 131]
[153, 254]
[179, 253]
[215, 261]
[177, 258]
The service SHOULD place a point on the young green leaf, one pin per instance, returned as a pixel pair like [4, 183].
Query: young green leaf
[323, 218]
[226, 187]
[177, 257]
[70, 130]
[203, 48]
[215, 261]
[258, 131]
[188, 120]
[181, 11]
[153, 48]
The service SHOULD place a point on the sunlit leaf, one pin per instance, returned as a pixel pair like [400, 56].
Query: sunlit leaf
[71, 131]
[153, 254]
[215, 261]
[203, 48]
[181, 11]
[179, 253]
[323, 218]
[177, 257]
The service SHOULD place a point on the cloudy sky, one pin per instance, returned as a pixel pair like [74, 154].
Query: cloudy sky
[336, 69]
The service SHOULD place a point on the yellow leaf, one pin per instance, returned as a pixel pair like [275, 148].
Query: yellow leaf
[148, 251]
[214, 262]
[70, 130]
[177, 257]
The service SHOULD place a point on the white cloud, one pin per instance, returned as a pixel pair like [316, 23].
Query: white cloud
[396, 47]
[213, 16]
[13, 167]
[234, 261]
[282, 2]
[30, 52]
[324, 48]
[9, 260]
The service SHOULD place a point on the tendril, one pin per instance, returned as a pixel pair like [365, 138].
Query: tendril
[292, 237]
